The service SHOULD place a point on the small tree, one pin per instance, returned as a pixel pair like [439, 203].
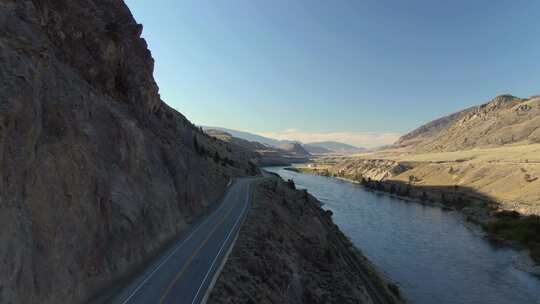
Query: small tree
[443, 198]
[291, 184]
[363, 181]
[407, 191]
[196, 145]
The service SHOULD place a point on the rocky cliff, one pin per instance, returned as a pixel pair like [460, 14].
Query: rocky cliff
[96, 172]
[375, 169]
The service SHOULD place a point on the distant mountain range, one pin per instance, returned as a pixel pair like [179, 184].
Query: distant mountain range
[323, 147]
[327, 147]
[295, 148]
[252, 137]
[262, 154]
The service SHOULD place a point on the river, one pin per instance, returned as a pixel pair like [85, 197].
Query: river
[433, 255]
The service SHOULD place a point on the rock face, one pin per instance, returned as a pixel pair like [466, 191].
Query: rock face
[375, 169]
[502, 121]
[96, 172]
[290, 251]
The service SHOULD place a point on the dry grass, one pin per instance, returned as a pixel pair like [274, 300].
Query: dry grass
[517, 154]
[509, 174]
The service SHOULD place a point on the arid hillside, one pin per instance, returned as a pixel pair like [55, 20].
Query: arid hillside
[295, 148]
[505, 120]
[258, 153]
[491, 151]
[97, 173]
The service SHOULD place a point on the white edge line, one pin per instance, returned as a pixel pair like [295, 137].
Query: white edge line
[149, 276]
[221, 249]
[219, 268]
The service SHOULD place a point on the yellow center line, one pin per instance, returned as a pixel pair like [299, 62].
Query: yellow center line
[190, 259]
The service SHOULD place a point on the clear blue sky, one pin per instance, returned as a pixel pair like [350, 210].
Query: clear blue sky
[333, 66]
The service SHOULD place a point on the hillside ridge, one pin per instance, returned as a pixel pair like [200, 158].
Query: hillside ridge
[504, 120]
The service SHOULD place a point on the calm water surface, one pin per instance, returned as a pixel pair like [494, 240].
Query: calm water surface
[431, 254]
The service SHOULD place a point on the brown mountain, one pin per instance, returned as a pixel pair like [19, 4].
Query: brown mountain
[295, 148]
[258, 153]
[97, 173]
[505, 120]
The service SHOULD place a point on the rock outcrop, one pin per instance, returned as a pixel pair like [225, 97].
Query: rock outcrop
[375, 169]
[96, 172]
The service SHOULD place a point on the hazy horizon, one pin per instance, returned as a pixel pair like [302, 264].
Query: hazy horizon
[362, 73]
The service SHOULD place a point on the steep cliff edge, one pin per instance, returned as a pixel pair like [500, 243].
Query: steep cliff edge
[96, 172]
[290, 251]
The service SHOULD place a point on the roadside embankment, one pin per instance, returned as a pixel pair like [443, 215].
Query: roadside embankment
[290, 251]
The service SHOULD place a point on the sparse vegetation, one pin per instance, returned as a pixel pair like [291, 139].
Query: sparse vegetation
[198, 147]
[413, 179]
[529, 178]
[523, 229]
[291, 185]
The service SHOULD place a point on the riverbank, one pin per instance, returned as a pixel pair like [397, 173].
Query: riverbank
[290, 251]
[502, 227]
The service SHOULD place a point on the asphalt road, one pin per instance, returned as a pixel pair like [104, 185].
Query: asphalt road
[185, 272]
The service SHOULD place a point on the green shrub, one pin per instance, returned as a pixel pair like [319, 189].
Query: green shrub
[525, 230]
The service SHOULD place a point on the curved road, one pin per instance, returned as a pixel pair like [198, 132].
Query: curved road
[186, 271]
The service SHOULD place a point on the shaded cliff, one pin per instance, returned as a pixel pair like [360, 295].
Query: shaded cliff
[96, 172]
